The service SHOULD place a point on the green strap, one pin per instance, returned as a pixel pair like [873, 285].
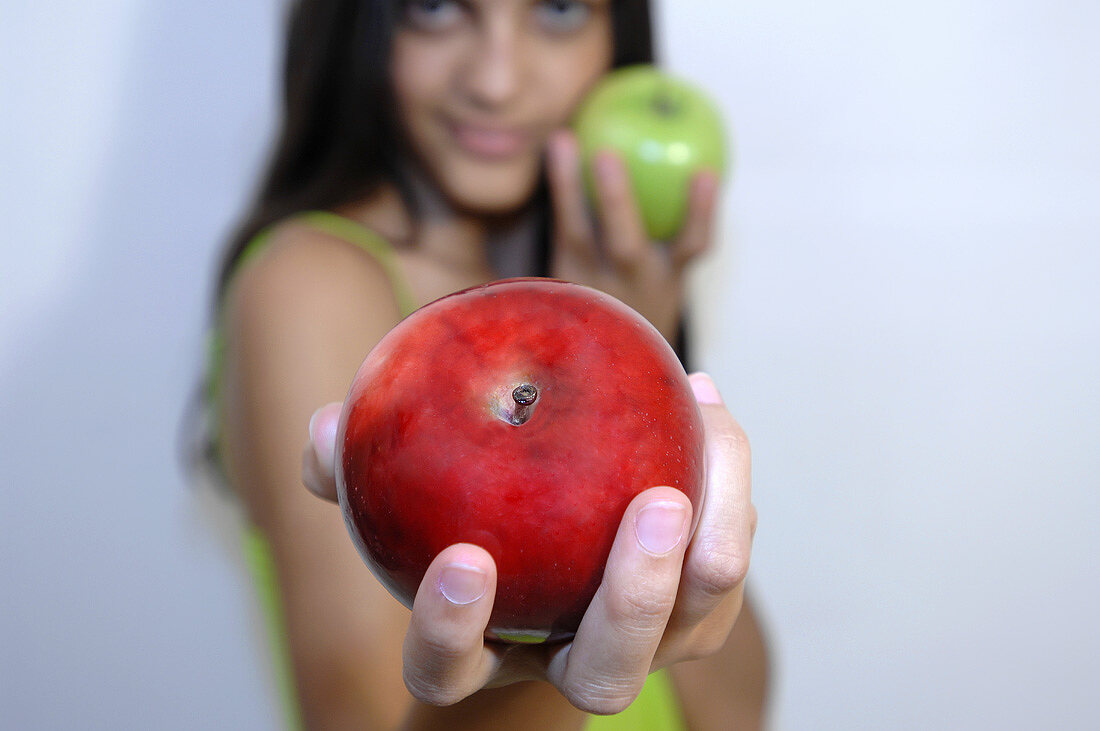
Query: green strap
[257, 553]
[334, 225]
[373, 244]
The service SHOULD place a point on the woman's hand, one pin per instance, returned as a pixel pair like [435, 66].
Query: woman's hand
[667, 595]
[613, 252]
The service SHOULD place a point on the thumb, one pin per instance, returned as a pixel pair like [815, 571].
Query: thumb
[319, 455]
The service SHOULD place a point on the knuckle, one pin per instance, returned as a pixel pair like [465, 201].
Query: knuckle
[429, 690]
[613, 193]
[721, 571]
[444, 648]
[577, 234]
[626, 263]
[733, 440]
[641, 613]
[577, 242]
[693, 249]
[704, 247]
[599, 697]
[626, 253]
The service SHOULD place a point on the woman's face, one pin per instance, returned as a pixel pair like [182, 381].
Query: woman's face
[480, 84]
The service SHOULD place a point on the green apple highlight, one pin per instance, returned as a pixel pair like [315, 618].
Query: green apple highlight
[665, 129]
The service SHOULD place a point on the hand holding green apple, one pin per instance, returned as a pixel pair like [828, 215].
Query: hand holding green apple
[665, 130]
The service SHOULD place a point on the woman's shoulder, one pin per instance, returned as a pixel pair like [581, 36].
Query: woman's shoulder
[318, 243]
[304, 273]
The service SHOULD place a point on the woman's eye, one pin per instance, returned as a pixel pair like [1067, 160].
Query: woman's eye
[431, 14]
[563, 15]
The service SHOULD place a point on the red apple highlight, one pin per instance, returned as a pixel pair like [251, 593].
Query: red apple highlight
[522, 416]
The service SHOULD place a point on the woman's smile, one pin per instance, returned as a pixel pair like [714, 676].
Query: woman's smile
[492, 142]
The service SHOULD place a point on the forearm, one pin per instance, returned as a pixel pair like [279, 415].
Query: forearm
[530, 705]
[345, 697]
[728, 690]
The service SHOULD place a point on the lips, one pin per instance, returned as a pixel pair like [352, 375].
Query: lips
[489, 142]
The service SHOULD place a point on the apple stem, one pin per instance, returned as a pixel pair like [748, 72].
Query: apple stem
[524, 396]
[665, 104]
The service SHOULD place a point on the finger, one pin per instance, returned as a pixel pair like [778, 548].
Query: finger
[624, 233]
[718, 558]
[698, 232]
[608, 661]
[572, 221]
[445, 655]
[313, 479]
[319, 456]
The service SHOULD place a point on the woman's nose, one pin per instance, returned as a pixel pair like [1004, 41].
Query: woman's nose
[494, 74]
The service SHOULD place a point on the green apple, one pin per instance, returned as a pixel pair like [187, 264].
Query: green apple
[664, 128]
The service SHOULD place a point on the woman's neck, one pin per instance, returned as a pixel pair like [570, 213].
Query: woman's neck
[464, 241]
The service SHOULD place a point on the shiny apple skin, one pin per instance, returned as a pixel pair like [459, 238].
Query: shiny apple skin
[427, 458]
[663, 148]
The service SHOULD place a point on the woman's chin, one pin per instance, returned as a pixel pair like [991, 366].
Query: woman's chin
[490, 192]
[491, 201]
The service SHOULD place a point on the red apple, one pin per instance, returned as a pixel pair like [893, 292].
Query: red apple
[522, 416]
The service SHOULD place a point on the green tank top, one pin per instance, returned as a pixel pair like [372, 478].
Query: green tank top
[656, 708]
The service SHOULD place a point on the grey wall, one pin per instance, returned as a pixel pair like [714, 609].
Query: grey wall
[906, 319]
[902, 313]
[130, 134]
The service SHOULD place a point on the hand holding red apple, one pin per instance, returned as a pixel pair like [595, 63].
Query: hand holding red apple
[663, 599]
[523, 416]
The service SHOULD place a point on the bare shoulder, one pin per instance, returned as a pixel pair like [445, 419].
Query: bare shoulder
[308, 276]
[299, 319]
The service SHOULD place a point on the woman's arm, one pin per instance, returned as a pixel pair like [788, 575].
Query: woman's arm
[729, 689]
[299, 321]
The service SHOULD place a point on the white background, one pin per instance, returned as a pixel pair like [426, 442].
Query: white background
[903, 314]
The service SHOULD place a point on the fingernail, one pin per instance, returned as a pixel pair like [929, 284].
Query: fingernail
[705, 390]
[323, 435]
[660, 526]
[462, 584]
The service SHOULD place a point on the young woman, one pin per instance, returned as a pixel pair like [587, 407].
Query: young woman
[424, 150]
